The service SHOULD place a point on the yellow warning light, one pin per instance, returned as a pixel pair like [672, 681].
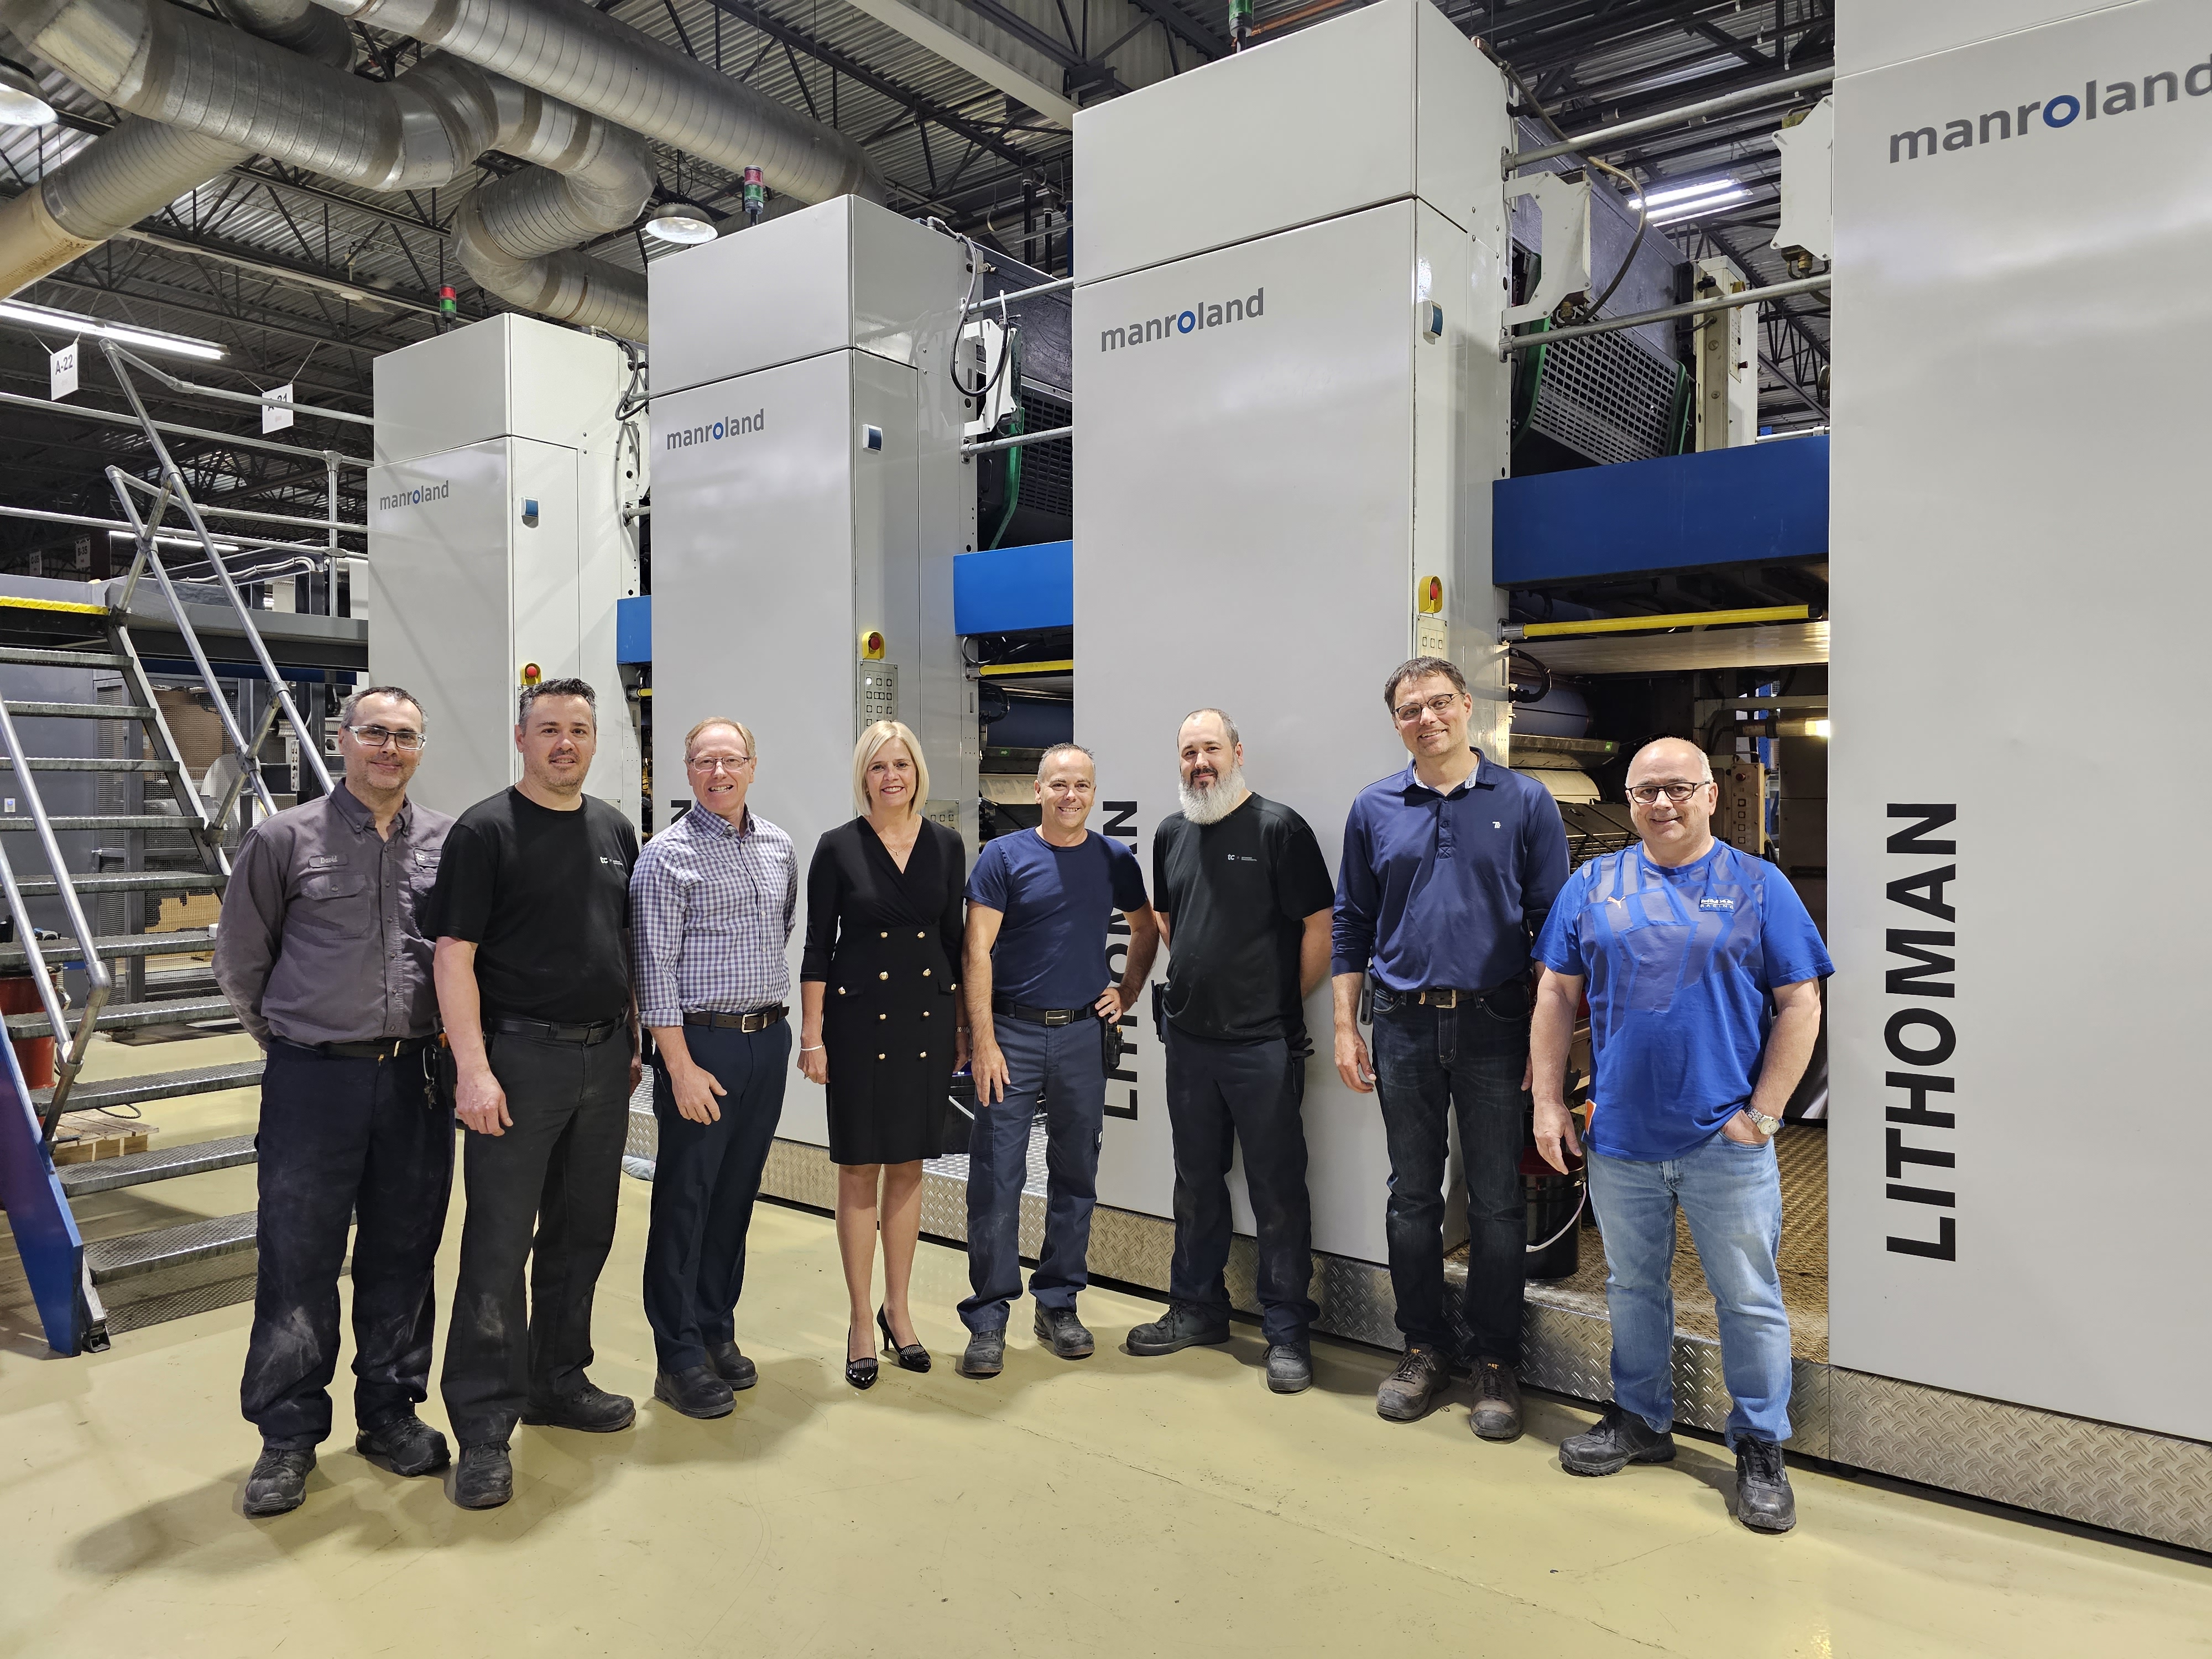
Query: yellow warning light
[1432, 596]
[871, 645]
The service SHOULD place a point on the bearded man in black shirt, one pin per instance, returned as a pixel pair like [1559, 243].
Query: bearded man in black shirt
[1244, 900]
[534, 970]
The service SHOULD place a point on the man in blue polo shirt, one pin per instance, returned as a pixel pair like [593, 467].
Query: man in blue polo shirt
[1041, 1003]
[1450, 868]
[1682, 944]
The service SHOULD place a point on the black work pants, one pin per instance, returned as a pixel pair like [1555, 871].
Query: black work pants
[341, 1140]
[1222, 1095]
[544, 1192]
[705, 1179]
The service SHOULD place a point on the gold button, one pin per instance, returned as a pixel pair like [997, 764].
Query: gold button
[883, 1016]
[924, 1013]
[887, 975]
[922, 934]
[925, 973]
[882, 1056]
[883, 936]
[840, 990]
[925, 1053]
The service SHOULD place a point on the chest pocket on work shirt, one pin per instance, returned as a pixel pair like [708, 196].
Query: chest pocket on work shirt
[335, 901]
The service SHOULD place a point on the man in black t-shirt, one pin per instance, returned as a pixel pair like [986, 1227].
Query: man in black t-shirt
[1244, 899]
[531, 915]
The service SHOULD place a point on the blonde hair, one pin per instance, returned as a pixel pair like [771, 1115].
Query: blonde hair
[745, 734]
[872, 741]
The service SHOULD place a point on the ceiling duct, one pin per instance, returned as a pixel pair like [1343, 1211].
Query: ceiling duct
[426, 128]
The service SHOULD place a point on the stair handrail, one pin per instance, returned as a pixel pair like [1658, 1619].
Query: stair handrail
[311, 744]
[69, 1047]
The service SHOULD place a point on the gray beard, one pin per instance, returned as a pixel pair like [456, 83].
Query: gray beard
[1214, 803]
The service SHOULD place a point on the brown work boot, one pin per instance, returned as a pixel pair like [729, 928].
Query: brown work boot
[1496, 1414]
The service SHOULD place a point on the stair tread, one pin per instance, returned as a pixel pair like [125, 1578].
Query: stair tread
[127, 881]
[117, 1017]
[34, 708]
[22, 653]
[161, 1164]
[132, 1254]
[100, 821]
[84, 764]
[183, 942]
[155, 1085]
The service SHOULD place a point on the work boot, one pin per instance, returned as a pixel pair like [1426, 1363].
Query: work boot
[587, 1407]
[696, 1391]
[278, 1484]
[405, 1445]
[485, 1478]
[1290, 1367]
[1763, 1501]
[986, 1355]
[1059, 1329]
[1496, 1414]
[1185, 1325]
[733, 1367]
[1406, 1393]
[1612, 1443]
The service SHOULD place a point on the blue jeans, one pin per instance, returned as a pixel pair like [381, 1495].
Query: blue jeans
[706, 1177]
[1063, 1069]
[1465, 1062]
[1732, 1196]
[1222, 1095]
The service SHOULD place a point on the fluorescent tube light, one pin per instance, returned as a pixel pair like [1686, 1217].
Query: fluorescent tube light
[1659, 198]
[1704, 204]
[68, 322]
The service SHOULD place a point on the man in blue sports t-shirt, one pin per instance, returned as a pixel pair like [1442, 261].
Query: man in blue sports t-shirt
[1702, 972]
[1041, 1001]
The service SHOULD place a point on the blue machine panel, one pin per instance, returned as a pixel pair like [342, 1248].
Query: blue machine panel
[633, 630]
[1765, 502]
[1004, 590]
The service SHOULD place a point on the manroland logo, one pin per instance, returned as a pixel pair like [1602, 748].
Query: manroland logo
[731, 426]
[415, 497]
[1188, 320]
[2109, 98]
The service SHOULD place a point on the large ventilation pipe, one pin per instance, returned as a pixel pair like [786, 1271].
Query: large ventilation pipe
[567, 49]
[181, 70]
[142, 167]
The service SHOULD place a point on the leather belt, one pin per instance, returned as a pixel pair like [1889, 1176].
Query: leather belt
[546, 1031]
[382, 1048]
[1444, 999]
[1014, 1009]
[759, 1020]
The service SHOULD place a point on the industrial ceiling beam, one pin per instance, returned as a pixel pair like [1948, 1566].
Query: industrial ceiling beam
[995, 54]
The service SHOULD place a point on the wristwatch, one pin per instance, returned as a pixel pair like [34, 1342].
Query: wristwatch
[1766, 1125]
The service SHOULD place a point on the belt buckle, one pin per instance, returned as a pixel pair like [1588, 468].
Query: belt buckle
[1057, 1016]
[1444, 999]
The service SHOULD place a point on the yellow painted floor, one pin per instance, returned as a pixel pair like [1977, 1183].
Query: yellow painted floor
[1113, 1506]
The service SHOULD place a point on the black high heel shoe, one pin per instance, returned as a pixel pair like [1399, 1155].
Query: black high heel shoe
[860, 1373]
[911, 1358]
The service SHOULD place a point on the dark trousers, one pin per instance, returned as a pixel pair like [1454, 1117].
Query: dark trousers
[341, 1140]
[1464, 1062]
[1222, 1095]
[1061, 1069]
[705, 1178]
[544, 1192]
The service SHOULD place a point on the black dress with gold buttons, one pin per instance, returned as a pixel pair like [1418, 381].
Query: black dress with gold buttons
[885, 944]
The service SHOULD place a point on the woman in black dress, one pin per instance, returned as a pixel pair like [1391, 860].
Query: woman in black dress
[883, 1024]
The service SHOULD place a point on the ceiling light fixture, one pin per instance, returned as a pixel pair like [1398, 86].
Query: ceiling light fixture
[69, 322]
[1704, 204]
[682, 222]
[21, 103]
[1659, 198]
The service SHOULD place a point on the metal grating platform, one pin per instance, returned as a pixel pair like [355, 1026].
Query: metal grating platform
[1608, 397]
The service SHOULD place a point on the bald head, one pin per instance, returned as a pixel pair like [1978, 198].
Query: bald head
[1669, 757]
[1671, 796]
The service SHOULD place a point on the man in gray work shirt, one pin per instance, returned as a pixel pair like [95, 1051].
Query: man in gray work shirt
[319, 953]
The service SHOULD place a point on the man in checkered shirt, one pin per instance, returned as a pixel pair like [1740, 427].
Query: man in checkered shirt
[712, 901]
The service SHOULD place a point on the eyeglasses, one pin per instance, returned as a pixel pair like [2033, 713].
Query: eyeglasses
[1647, 794]
[712, 763]
[1442, 703]
[376, 737]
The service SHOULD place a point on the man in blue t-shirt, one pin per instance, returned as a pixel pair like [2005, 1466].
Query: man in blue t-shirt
[1041, 1005]
[1681, 944]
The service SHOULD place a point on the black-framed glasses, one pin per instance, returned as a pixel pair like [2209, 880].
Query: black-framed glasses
[1442, 703]
[376, 737]
[1647, 794]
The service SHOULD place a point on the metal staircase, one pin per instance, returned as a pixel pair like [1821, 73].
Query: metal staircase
[86, 1290]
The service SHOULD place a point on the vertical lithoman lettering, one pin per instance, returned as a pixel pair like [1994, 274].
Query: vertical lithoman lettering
[1121, 823]
[1919, 1038]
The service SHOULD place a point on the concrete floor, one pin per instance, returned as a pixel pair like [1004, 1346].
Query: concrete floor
[1116, 1505]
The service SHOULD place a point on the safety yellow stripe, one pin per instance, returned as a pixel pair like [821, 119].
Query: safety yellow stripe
[1772, 613]
[999, 668]
[13, 604]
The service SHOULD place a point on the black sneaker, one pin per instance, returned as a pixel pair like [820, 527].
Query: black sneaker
[1185, 1325]
[733, 1367]
[1612, 1443]
[1406, 1393]
[405, 1445]
[696, 1392]
[1059, 1329]
[278, 1484]
[1290, 1367]
[1496, 1413]
[485, 1478]
[986, 1355]
[588, 1407]
[1763, 1501]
